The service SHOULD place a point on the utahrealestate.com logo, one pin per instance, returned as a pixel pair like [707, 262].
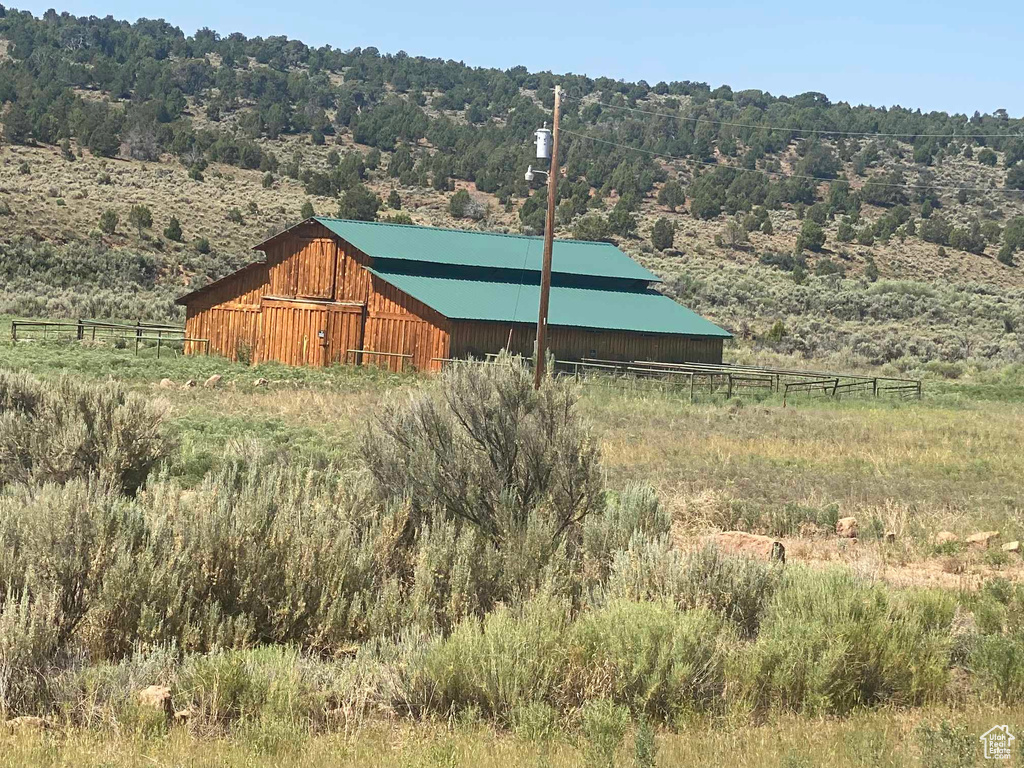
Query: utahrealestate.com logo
[997, 742]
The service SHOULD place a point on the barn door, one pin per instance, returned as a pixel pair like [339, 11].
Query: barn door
[344, 333]
[294, 332]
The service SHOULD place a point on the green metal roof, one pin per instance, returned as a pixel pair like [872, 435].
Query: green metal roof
[485, 249]
[640, 311]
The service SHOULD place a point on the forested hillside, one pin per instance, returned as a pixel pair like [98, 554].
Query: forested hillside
[137, 160]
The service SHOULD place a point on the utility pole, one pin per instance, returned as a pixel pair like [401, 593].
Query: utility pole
[549, 234]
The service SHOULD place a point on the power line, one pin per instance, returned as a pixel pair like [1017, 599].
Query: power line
[779, 173]
[805, 130]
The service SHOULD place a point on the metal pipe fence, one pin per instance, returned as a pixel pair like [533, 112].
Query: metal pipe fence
[142, 335]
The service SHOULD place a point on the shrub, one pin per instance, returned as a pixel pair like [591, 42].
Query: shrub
[827, 266]
[234, 216]
[56, 432]
[830, 643]
[359, 204]
[509, 660]
[737, 588]
[108, 221]
[307, 212]
[592, 227]
[649, 656]
[202, 245]
[173, 230]
[733, 235]
[140, 217]
[777, 332]
[457, 203]
[603, 726]
[671, 195]
[394, 200]
[483, 446]
[812, 237]
[663, 234]
[29, 643]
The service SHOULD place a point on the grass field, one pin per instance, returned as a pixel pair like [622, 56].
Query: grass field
[951, 461]
[929, 739]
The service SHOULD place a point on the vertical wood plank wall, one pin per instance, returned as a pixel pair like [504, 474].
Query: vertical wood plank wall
[474, 338]
[307, 262]
[397, 323]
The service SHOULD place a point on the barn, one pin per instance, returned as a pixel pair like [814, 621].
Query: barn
[405, 297]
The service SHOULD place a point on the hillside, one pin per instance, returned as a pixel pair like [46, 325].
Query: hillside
[233, 137]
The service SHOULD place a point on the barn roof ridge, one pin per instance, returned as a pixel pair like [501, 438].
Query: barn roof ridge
[464, 247]
[460, 231]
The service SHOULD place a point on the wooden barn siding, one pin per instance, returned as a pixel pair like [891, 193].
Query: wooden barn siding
[398, 323]
[226, 313]
[231, 329]
[475, 339]
[352, 282]
[289, 331]
[309, 263]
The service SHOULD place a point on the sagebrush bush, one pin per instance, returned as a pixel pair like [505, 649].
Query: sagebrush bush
[62, 430]
[738, 589]
[513, 657]
[831, 642]
[648, 656]
[487, 448]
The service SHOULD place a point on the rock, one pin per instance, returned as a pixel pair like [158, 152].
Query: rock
[157, 697]
[945, 537]
[27, 723]
[189, 384]
[981, 539]
[847, 527]
[750, 545]
[213, 381]
[1011, 546]
[261, 383]
[889, 537]
[166, 384]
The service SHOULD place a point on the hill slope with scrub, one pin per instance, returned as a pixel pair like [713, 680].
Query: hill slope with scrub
[137, 162]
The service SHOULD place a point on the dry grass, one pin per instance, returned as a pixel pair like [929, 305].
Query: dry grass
[923, 738]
